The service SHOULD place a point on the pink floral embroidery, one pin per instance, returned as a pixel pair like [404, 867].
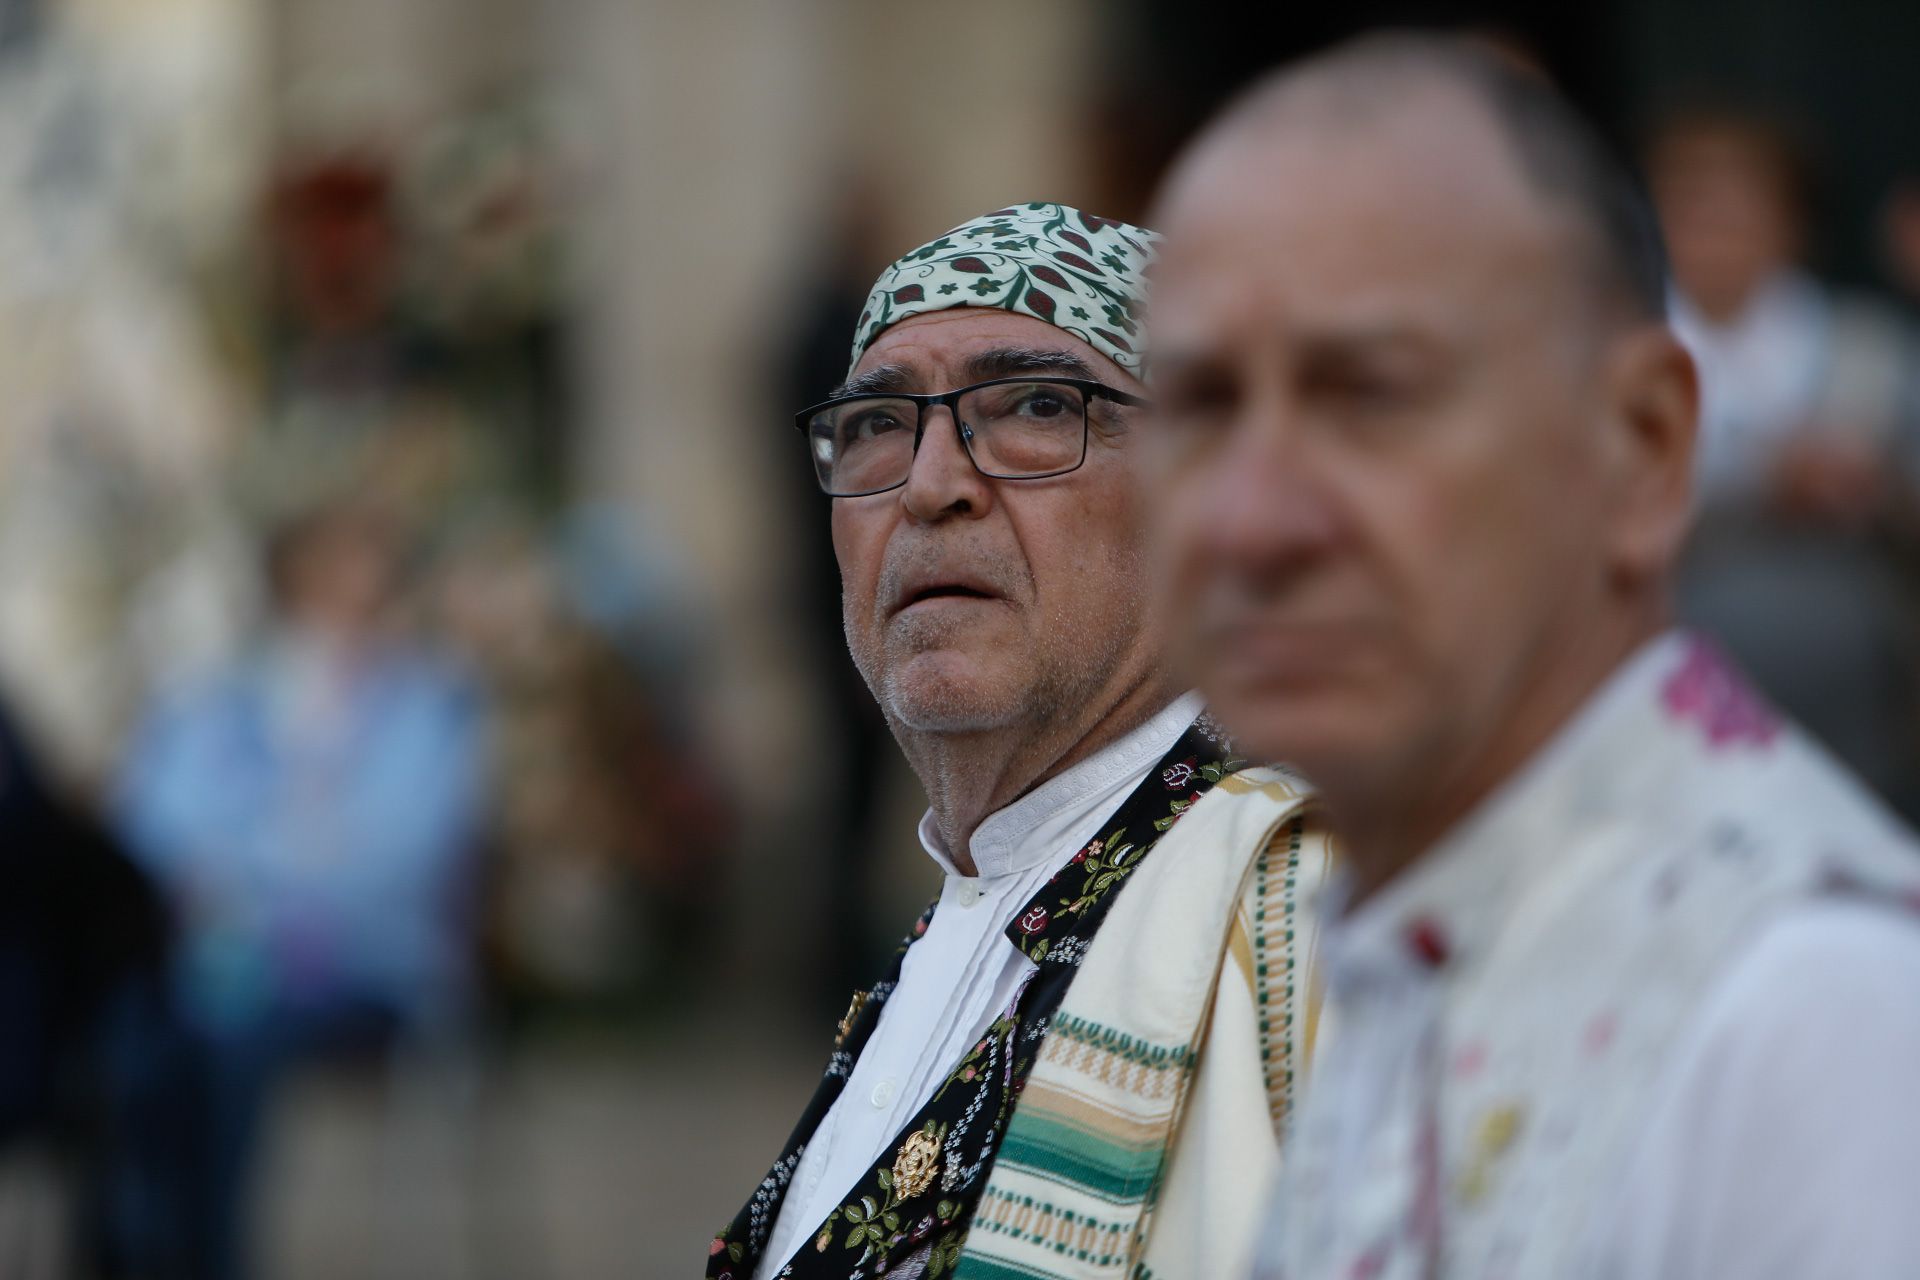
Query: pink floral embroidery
[1707, 690]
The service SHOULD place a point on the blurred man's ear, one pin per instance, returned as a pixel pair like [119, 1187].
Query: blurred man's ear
[1653, 414]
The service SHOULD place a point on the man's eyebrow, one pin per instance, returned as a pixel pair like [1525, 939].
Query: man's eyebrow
[1011, 362]
[1401, 348]
[886, 379]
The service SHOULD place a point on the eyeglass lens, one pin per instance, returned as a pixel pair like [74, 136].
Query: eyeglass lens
[1013, 430]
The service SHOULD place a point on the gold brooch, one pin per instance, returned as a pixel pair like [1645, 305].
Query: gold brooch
[916, 1162]
[854, 1007]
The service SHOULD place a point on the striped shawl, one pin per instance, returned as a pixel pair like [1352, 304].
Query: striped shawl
[1148, 1131]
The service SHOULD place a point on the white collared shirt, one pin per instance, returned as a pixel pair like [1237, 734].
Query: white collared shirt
[1801, 1057]
[963, 972]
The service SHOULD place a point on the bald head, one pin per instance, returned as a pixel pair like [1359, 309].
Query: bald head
[1559, 157]
[1427, 440]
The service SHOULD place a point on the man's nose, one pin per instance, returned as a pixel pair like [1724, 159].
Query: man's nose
[943, 480]
[1264, 502]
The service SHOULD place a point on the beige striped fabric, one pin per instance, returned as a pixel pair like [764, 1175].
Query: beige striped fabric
[1149, 1128]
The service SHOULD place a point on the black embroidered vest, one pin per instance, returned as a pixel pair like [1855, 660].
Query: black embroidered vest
[921, 1195]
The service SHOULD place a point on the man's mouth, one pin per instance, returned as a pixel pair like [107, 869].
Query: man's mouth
[934, 591]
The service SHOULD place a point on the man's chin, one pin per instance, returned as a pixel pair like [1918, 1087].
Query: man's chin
[948, 692]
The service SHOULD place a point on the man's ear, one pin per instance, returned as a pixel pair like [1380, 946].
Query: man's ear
[1652, 411]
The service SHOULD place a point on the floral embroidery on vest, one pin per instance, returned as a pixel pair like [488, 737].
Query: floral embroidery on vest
[918, 1200]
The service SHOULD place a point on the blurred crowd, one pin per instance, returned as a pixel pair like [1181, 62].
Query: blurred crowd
[331, 727]
[1802, 557]
[334, 727]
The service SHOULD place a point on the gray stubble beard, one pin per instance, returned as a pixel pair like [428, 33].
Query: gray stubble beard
[1068, 676]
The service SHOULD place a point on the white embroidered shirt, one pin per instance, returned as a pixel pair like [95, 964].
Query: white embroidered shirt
[963, 972]
[1779, 1136]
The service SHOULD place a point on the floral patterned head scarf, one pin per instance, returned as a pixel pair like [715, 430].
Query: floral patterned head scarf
[1081, 273]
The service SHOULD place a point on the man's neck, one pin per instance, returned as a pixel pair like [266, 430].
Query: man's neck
[1387, 824]
[969, 776]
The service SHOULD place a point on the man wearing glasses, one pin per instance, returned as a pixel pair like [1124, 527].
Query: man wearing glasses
[1054, 1078]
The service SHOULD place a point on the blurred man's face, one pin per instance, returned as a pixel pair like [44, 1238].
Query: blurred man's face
[1724, 208]
[974, 604]
[1373, 378]
[339, 575]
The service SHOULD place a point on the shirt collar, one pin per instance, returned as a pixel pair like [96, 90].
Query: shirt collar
[1005, 843]
[1446, 907]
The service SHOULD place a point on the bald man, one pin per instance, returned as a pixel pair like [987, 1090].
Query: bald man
[1624, 974]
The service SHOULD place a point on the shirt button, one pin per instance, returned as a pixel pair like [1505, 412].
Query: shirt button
[968, 893]
[883, 1093]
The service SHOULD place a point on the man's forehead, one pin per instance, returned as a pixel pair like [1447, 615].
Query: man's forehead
[1437, 162]
[1248, 320]
[941, 345]
[1363, 221]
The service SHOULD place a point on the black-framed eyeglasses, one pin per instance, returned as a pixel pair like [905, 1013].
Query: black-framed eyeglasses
[1011, 428]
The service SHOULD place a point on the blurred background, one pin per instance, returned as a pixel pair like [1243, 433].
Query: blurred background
[439, 824]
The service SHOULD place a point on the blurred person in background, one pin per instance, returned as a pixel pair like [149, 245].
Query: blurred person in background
[311, 814]
[419, 326]
[95, 1178]
[1807, 437]
[1048, 1057]
[1623, 973]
